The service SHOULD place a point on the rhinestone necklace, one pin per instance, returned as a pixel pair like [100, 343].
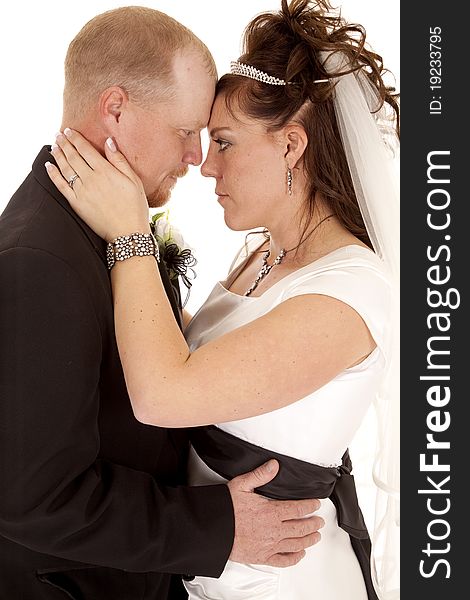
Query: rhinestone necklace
[265, 269]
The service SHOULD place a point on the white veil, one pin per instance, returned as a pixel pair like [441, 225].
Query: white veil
[370, 143]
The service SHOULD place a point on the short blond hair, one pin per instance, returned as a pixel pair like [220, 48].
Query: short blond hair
[132, 47]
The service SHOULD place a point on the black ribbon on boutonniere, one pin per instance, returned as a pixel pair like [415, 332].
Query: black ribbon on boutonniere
[179, 262]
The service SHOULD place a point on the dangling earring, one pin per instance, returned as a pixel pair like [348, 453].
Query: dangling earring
[289, 181]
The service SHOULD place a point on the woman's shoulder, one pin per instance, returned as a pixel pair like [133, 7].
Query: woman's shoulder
[350, 260]
[352, 274]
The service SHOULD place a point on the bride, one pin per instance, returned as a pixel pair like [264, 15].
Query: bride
[287, 353]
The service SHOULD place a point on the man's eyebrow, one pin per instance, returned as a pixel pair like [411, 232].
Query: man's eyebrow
[193, 126]
[216, 130]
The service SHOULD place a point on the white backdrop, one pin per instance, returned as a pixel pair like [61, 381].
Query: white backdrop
[34, 37]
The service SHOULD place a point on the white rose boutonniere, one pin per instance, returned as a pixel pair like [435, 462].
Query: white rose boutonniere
[174, 252]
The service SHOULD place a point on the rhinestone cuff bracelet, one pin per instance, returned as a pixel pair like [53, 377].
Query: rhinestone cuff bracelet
[127, 246]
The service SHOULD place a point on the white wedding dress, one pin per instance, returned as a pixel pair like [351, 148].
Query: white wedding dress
[317, 429]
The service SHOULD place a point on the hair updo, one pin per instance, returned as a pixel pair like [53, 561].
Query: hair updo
[287, 44]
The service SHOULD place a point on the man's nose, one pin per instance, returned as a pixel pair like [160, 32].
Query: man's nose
[193, 155]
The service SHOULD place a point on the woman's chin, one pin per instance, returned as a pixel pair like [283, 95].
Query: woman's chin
[234, 224]
[234, 219]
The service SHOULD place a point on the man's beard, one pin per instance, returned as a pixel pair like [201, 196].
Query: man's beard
[162, 194]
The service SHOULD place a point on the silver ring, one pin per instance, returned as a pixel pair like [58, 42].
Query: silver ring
[72, 180]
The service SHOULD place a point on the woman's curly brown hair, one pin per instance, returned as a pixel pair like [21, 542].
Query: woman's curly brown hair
[287, 44]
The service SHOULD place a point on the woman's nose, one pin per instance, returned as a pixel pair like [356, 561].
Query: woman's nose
[208, 168]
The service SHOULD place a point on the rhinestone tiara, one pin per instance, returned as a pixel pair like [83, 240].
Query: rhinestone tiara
[238, 68]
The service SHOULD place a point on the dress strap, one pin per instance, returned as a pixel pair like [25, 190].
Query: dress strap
[243, 255]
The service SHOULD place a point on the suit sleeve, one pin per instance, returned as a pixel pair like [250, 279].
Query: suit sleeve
[56, 497]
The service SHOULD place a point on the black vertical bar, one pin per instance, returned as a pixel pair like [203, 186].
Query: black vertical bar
[434, 250]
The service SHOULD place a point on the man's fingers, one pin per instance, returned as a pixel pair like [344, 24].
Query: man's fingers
[298, 544]
[258, 477]
[272, 532]
[285, 560]
[295, 509]
[301, 527]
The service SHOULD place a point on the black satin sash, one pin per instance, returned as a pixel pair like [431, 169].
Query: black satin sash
[230, 456]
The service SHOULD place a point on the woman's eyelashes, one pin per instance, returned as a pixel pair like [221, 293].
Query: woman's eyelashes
[223, 144]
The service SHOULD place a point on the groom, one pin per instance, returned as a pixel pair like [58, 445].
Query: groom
[92, 503]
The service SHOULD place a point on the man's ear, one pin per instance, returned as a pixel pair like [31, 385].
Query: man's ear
[295, 143]
[113, 101]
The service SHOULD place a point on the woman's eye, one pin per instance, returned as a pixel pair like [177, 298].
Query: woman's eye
[223, 145]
